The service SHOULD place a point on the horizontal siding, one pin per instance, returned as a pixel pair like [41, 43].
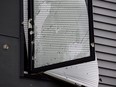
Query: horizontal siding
[108, 27]
[104, 85]
[105, 12]
[104, 4]
[105, 34]
[108, 81]
[105, 40]
[107, 65]
[105, 49]
[106, 57]
[111, 1]
[107, 72]
[105, 19]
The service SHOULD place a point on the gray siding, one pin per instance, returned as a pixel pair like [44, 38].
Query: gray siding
[105, 40]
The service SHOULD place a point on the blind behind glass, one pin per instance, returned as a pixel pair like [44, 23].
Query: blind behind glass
[61, 31]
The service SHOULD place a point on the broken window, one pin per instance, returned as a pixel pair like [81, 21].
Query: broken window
[60, 33]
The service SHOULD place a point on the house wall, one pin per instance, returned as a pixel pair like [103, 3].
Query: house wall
[105, 40]
[10, 58]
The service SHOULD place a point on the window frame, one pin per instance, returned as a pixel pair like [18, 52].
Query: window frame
[30, 60]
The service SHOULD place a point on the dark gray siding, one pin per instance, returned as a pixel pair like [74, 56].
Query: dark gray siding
[105, 40]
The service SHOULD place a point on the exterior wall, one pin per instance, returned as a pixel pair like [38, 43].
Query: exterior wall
[10, 59]
[105, 40]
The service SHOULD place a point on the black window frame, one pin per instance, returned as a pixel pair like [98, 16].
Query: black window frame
[29, 61]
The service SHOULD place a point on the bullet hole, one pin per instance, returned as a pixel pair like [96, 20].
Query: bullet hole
[5, 46]
[100, 80]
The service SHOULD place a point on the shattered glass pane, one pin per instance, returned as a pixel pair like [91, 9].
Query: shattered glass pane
[61, 31]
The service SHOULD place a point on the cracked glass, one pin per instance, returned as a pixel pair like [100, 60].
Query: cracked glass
[61, 31]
